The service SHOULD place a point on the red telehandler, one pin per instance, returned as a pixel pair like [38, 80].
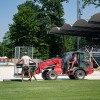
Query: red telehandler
[51, 68]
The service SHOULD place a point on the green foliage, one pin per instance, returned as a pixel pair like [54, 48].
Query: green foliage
[88, 2]
[32, 24]
[25, 26]
[83, 42]
[6, 46]
[70, 43]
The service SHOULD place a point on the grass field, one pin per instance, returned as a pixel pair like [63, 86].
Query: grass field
[51, 90]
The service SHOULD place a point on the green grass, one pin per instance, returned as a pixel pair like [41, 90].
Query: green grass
[51, 90]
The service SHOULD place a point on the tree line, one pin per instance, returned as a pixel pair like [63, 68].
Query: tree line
[31, 26]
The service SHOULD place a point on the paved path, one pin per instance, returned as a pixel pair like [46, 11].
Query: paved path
[8, 73]
[94, 76]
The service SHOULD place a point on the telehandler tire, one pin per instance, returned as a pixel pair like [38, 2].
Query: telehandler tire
[71, 76]
[44, 74]
[51, 75]
[79, 74]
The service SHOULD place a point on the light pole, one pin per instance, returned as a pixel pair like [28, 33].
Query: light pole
[78, 17]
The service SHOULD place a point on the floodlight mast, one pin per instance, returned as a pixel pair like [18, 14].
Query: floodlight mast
[78, 17]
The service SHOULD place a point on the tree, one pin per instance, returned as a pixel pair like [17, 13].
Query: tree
[31, 26]
[7, 46]
[54, 10]
[25, 26]
[28, 25]
[94, 2]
